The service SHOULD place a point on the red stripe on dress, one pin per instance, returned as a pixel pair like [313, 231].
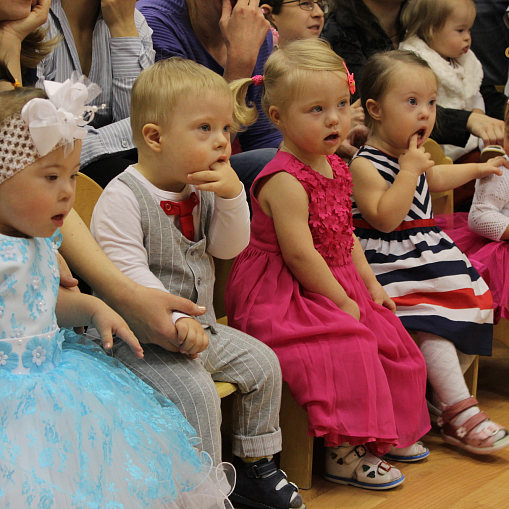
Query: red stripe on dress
[405, 225]
[456, 299]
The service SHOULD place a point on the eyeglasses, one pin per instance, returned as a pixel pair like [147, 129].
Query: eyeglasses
[309, 5]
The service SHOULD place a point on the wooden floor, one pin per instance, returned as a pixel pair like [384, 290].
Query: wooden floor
[449, 478]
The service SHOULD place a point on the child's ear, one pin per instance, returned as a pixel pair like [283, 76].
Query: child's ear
[152, 136]
[374, 109]
[267, 12]
[275, 115]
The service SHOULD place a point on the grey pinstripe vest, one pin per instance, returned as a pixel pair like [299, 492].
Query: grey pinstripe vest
[184, 267]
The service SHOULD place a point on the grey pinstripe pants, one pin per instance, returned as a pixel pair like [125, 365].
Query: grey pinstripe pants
[231, 356]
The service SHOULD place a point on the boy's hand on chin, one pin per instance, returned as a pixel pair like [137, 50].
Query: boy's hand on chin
[220, 179]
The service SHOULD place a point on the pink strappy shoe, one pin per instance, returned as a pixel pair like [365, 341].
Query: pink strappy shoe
[467, 435]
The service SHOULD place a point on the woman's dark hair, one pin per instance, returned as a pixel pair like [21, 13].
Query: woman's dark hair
[360, 14]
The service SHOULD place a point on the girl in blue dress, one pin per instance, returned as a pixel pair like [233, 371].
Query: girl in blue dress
[77, 430]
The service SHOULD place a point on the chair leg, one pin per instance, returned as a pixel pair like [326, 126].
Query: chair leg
[297, 453]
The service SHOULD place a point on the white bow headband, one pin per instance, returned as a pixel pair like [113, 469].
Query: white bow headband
[46, 124]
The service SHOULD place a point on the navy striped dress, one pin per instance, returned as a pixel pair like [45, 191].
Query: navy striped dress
[433, 284]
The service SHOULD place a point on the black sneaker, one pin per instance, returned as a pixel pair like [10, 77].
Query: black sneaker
[257, 486]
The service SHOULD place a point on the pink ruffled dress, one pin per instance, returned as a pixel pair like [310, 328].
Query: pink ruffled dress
[359, 381]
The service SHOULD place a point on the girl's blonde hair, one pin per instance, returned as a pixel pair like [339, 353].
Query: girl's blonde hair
[286, 68]
[424, 17]
[160, 87]
[379, 72]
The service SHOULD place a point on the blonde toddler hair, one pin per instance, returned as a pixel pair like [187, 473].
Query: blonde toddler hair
[160, 87]
[424, 17]
[286, 69]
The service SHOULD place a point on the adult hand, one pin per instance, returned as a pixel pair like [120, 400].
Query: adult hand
[355, 139]
[490, 130]
[18, 29]
[356, 114]
[149, 314]
[119, 17]
[244, 29]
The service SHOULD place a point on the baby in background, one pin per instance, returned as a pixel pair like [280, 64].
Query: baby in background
[439, 32]
[161, 221]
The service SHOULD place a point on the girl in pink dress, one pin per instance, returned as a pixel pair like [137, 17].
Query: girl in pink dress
[303, 285]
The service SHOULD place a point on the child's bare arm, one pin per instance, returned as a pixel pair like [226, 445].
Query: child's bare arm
[385, 207]
[286, 201]
[375, 289]
[75, 309]
[450, 176]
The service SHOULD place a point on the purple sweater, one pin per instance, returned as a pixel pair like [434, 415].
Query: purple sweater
[174, 36]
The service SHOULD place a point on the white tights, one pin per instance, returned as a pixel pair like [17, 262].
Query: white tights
[446, 367]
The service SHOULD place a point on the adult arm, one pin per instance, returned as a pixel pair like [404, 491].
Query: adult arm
[494, 101]
[147, 311]
[129, 56]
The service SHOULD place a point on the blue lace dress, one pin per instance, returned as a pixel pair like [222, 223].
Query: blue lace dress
[77, 430]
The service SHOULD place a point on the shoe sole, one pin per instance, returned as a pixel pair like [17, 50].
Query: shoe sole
[406, 459]
[488, 154]
[251, 503]
[502, 444]
[365, 485]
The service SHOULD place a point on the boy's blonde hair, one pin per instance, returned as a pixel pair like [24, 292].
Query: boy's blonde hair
[160, 87]
[424, 17]
[379, 72]
[287, 68]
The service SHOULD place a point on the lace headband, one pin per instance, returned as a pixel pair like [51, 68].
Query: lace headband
[46, 124]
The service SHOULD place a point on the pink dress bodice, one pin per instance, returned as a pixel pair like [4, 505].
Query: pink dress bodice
[330, 219]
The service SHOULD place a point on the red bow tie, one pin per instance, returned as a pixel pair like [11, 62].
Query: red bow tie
[184, 209]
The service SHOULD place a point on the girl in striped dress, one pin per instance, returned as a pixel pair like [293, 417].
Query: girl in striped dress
[437, 292]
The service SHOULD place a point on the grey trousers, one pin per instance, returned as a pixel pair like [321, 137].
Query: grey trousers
[231, 356]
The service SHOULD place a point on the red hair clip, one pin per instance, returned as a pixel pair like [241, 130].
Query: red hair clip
[257, 80]
[351, 81]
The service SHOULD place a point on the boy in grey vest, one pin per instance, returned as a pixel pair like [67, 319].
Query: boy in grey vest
[160, 222]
